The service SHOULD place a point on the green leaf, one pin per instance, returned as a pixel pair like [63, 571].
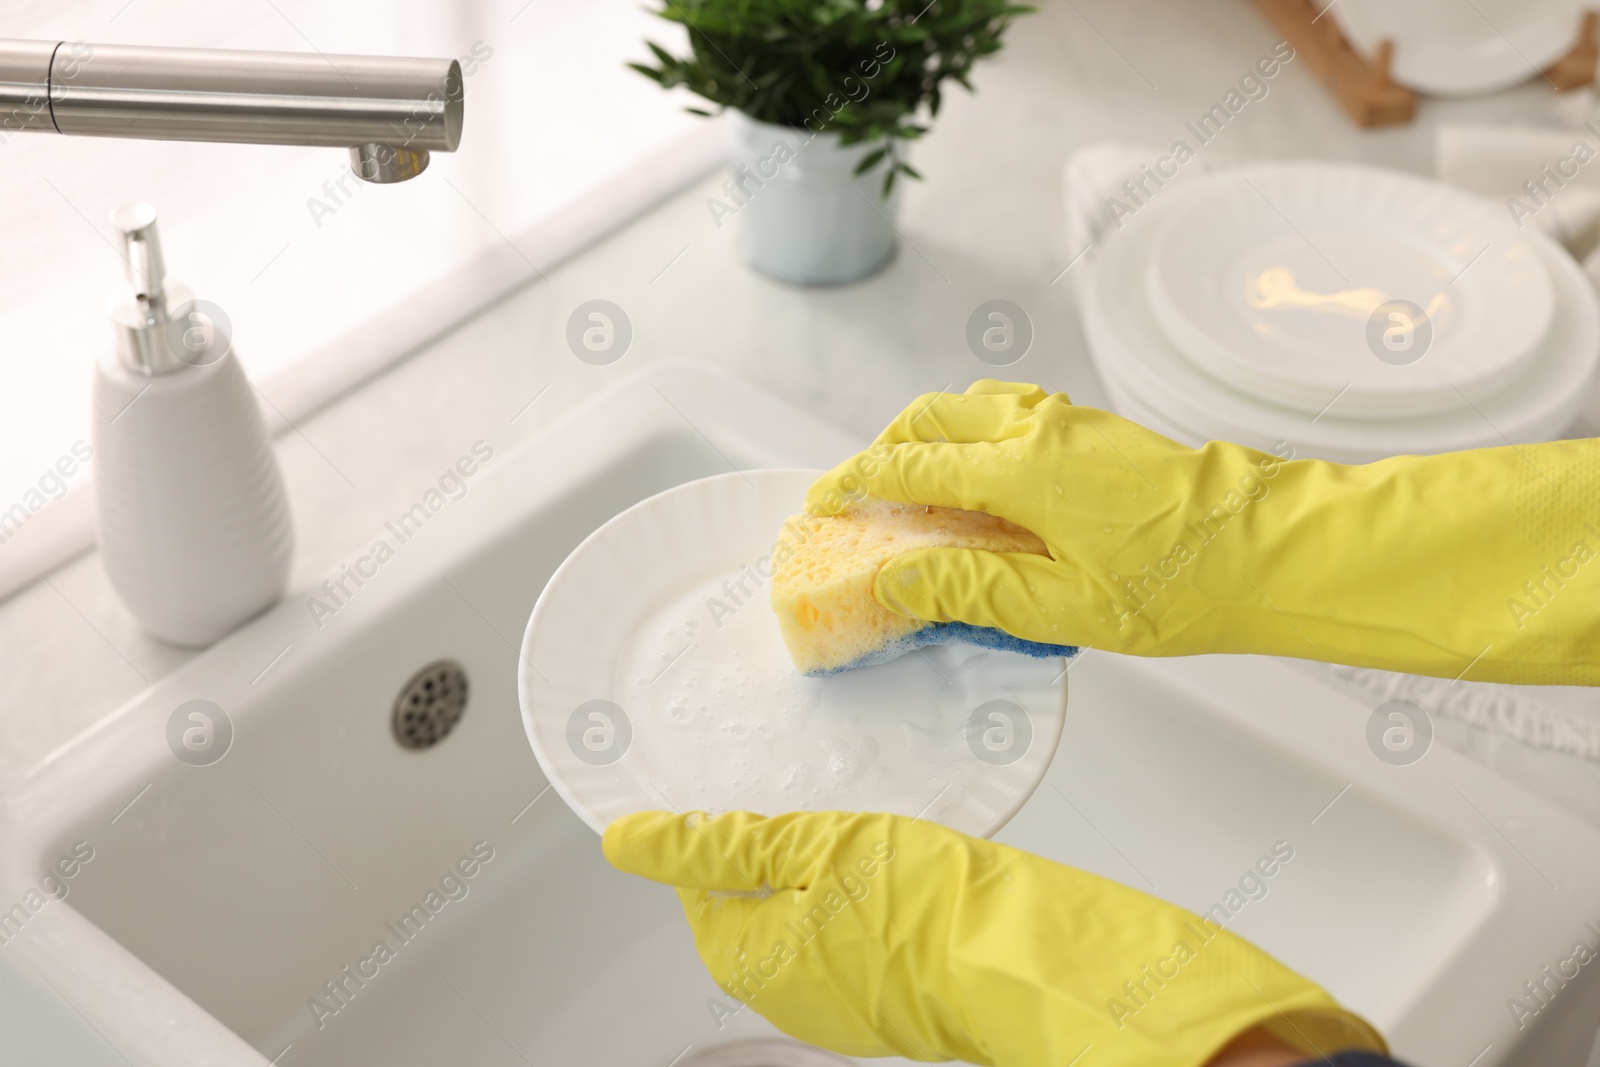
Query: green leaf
[870, 160]
[888, 181]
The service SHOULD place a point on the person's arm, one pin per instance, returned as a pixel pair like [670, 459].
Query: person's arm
[1258, 1048]
[876, 935]
[1481, 564]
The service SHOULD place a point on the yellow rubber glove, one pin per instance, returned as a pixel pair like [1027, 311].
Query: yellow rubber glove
[1476, 564]
[876, 935]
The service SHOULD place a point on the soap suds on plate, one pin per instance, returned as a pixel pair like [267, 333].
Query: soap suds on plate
[723, 721]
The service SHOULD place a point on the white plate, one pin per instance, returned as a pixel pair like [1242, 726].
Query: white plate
[1462, 47]
[1125, 342]
[712, 715]
[1274, 276]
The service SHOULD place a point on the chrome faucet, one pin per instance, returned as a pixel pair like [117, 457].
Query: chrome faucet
[389, 112]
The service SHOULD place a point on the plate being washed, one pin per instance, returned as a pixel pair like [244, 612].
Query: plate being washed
[653, 677]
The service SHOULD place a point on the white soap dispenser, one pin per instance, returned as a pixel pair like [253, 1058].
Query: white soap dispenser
[194, 523]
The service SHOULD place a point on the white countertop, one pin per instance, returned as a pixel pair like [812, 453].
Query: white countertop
[987, 223]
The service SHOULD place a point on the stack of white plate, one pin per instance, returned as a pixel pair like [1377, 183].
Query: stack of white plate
[1349, 311]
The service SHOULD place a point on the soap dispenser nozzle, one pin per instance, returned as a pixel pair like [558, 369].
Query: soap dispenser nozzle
[139, 310]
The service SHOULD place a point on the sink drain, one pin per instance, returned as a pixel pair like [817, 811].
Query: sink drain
[430, 705]
[765, 1052]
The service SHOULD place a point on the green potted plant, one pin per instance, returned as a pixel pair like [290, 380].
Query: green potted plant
[826, 94]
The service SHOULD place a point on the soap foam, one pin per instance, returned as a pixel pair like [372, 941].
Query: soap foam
[723, 721]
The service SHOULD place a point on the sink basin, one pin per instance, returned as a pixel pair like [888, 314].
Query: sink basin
[229, 910]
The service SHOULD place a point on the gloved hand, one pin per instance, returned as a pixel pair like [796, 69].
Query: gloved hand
[877, 935]
[1470, 564]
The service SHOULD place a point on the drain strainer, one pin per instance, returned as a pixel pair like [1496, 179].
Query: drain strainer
[430, 704]
[765, 1052]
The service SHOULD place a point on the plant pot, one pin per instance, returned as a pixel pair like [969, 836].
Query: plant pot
[803, 217]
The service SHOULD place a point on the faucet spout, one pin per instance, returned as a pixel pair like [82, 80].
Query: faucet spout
[390, 112]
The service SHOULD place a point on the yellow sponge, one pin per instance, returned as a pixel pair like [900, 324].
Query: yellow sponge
[823, 571]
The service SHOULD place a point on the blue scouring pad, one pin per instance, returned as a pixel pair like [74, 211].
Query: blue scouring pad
[952, 633]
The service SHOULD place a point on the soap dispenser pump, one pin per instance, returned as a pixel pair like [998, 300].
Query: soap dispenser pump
[193, 520]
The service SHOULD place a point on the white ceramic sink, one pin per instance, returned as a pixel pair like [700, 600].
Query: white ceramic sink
[221, 898]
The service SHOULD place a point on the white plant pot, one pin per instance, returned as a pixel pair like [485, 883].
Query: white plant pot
[803, 217]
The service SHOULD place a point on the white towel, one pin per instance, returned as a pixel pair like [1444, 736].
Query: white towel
[1492, 161]
[1546, 178]
[1564, 717]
